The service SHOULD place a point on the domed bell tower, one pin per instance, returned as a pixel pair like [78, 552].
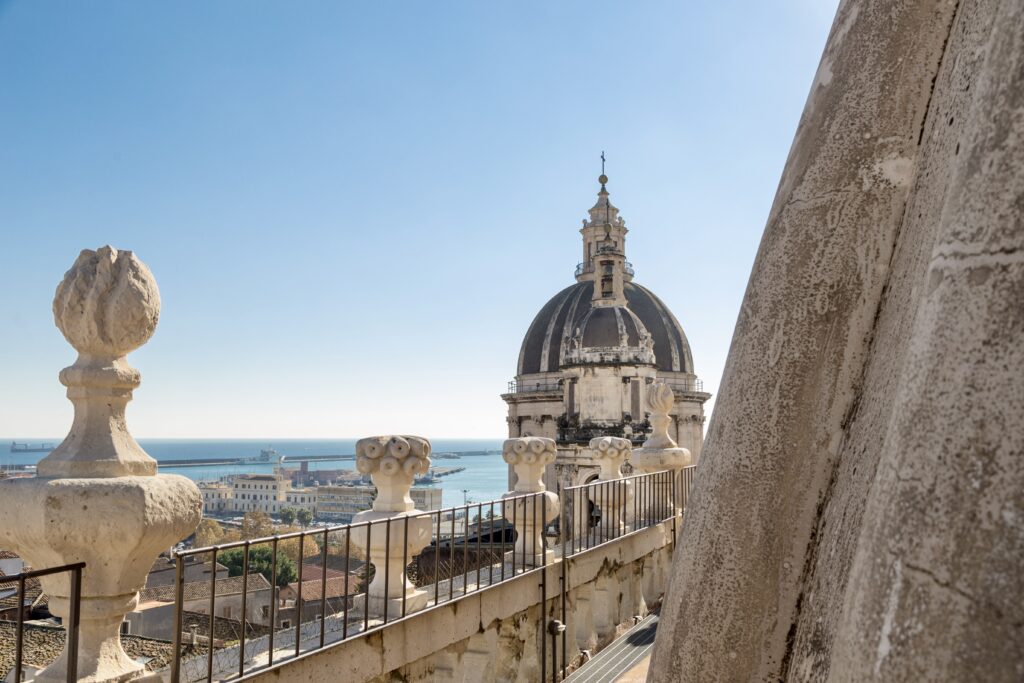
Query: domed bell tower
[604, 251]
[592, 353]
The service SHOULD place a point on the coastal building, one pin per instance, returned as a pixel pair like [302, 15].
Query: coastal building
[217, 497]
[258, 492]
[301, 499]
[341, 503]
[591, 354]
[271, 493]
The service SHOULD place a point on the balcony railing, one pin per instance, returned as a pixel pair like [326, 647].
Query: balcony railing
[680, 384]
[71, 624]
[582, 268]
[517, 387]
[471, 548]
[569, 432]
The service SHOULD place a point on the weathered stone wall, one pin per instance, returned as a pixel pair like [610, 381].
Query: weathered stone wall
[859, 510]
[493, 635]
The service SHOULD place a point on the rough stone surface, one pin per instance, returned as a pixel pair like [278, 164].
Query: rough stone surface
[858, 512]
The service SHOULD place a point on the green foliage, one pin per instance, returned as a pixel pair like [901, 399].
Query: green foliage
[260, 562]
[287, 516]
[304, 516]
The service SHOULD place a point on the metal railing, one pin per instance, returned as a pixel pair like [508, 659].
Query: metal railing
[71, 624]
[600, 512]
[582, 268]
[471, 547]
[571, 432]
[682, 384]
[517, 387]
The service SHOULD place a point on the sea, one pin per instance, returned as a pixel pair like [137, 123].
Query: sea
[484, 478]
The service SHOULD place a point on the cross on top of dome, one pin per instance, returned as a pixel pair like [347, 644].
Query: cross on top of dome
[604, 213]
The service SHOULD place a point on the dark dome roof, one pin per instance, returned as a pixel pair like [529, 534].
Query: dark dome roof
[549, 340]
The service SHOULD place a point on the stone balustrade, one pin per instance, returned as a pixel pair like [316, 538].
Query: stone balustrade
[98, 498]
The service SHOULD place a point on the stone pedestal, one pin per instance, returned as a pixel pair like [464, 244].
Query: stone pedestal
[610, 493]
[97, 498]
[660, 452]
[530, 506]
[393, 532]
[117, 526]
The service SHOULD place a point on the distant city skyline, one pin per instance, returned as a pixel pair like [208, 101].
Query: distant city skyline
[354, 214]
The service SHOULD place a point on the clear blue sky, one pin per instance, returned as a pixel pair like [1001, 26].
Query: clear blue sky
[354, 209]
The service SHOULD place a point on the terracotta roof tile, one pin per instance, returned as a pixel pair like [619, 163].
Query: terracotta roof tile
[43, 644]
[336, 587]
[197, 590]
[9, 593]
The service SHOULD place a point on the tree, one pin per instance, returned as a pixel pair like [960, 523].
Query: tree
[290, 546]
[260, 562]
[304, 516]
[257, 525]
[209, 532]
[287, 516]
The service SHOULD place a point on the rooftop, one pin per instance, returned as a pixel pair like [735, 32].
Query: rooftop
[43, 644]
[198, 590]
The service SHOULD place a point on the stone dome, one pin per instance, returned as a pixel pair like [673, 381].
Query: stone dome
[570, 330]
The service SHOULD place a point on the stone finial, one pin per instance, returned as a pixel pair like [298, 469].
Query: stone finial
[393, 462]
[661, 399]
[106, 306]
[661, 452]
[98, 498]
[612, 498]
[610, 452]
[529, 455]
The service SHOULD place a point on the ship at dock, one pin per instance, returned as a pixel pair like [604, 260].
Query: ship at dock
[266, 456]
[29, 448]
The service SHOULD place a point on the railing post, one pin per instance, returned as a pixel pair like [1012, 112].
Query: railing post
[529, 455]
[179, 593]
[392, 462]
[73, 622]
[98, 498]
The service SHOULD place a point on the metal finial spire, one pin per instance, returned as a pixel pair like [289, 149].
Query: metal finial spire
[602, 162]
[603, 179]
